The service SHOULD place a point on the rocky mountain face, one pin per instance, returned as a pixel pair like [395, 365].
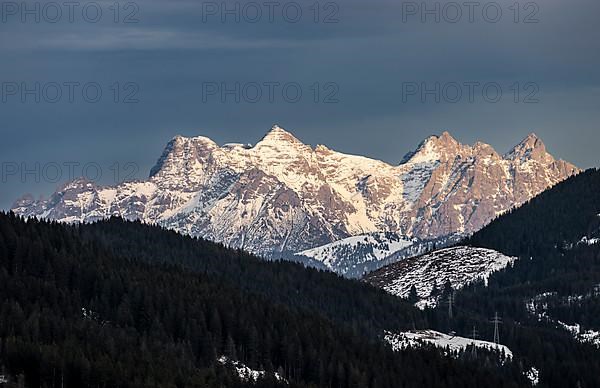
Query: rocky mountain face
[282, 196]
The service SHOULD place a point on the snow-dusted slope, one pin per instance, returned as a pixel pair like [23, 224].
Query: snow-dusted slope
[459, 265]
[353, 255]
[453, 343]
[356, 256]
[538, 306]
[246, 373]
[282, 196]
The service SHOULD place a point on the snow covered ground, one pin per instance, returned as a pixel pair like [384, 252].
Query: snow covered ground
[533, 375]
[587, 336]
[453, 344]
[377, 247]
[246, 373]
[589, 241]
[538, 306]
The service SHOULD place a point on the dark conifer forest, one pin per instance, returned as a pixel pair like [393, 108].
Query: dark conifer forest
[120, 304]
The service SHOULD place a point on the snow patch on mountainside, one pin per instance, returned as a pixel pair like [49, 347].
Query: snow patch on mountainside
[452, 343]
[538, 306]
[589, 241]
[533, 375]
[458, 265]
[589, 336]
[378, 246]
[245, 373]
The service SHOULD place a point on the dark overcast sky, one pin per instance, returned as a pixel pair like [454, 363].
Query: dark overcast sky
[177, 47]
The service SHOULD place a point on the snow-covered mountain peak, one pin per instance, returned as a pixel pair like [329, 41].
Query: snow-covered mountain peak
[480, 147]
[532, 139]
[446, 138]
[181, 141]
[434, 149]
[80, 183]
[278, 135]
[425, 152]
[443, 142]
[532, 147]
[181, 151]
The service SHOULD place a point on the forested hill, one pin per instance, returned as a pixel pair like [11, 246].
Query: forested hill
[120, 304]
[365, 309]
[556, 218]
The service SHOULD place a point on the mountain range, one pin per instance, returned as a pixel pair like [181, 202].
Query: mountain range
[282, 197]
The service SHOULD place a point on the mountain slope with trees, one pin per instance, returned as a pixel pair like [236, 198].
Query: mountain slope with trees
[548, 299]
[120, 304]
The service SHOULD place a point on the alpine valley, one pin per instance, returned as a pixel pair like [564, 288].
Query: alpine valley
[282, 198]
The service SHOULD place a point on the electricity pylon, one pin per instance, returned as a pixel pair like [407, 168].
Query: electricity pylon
[496, 321]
